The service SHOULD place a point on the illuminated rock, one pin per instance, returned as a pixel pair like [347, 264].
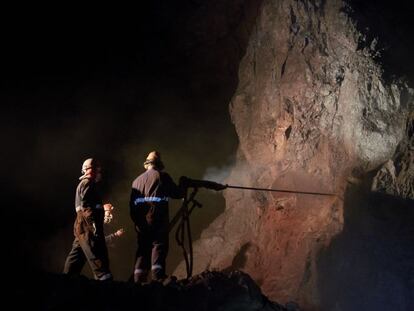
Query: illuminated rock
[312, 112]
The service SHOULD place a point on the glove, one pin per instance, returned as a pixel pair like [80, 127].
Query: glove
[119, 232]
[108, 218]
[108, 213]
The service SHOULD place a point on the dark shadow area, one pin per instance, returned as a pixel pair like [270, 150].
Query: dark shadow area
[370, 264]
[113, 85]
[239, 261]
[207, 291]
[387, 27]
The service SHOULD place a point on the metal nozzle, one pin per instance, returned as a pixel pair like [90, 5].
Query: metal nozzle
[186, 182]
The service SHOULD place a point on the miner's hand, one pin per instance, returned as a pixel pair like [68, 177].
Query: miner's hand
[108, 207]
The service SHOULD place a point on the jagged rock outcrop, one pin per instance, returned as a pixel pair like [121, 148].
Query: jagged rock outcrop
[312, 112]
[396, 176]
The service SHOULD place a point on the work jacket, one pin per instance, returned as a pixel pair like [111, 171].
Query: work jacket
[149, 198]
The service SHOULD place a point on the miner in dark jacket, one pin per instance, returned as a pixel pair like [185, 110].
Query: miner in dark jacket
[89, 243]
[149, 212]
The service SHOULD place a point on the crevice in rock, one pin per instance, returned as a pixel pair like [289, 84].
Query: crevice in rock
[282, 71]
[288, 131]
[240, 259]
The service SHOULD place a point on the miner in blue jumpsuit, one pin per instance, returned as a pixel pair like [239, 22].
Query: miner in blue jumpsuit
[149, 211]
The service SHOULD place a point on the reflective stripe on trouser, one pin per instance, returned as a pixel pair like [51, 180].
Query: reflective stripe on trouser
[140, 275]
[93, 250]
[105, 277]
[158, 272]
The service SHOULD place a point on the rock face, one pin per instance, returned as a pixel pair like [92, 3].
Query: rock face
[312, 112]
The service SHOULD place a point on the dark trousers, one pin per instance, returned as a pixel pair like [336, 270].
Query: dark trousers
[152, 250]
[92, 249]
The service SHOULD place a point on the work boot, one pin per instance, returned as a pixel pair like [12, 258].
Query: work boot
[158, 275]
[170, 280]
[140, 278]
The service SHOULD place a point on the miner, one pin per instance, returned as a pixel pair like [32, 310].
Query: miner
[89, 243]
[149, 212]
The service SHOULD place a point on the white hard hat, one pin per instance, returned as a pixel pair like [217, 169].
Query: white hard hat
[89, 163]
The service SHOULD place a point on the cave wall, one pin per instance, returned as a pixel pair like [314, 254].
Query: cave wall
[313, 113]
